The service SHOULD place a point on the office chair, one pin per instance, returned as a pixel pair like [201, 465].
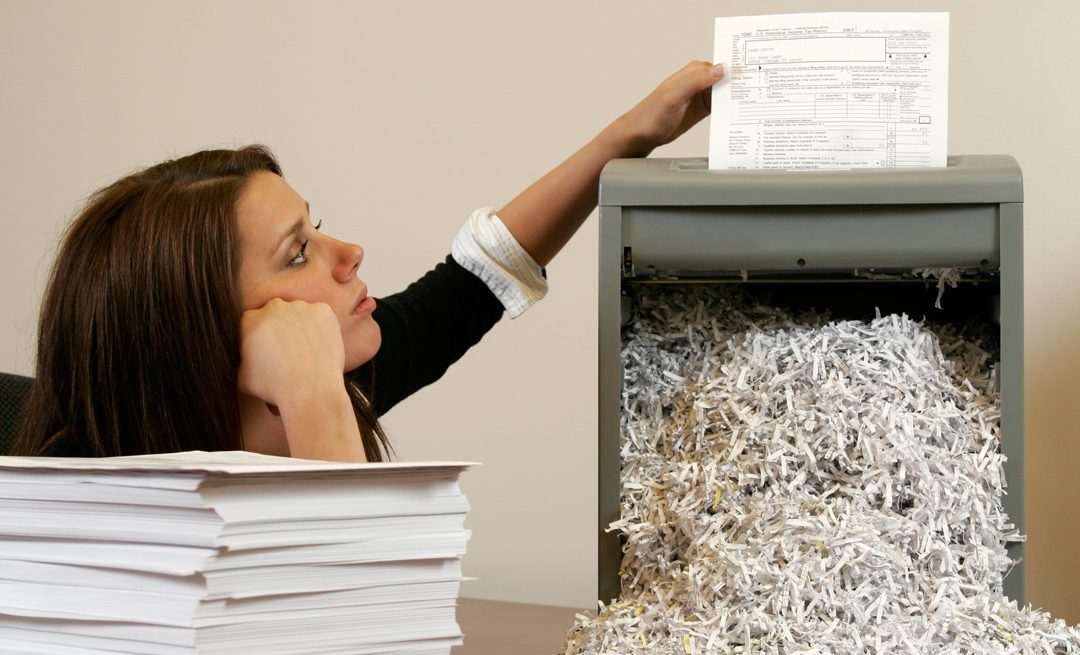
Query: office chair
[13, 392]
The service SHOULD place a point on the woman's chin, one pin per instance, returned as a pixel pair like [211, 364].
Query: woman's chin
[362, 344]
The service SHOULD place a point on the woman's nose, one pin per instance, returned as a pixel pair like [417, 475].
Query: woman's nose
[349, 258]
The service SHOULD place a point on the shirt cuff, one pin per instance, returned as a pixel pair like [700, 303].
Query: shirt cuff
[486, 248]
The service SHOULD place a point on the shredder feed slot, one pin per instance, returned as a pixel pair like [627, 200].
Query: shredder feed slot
[675, 240]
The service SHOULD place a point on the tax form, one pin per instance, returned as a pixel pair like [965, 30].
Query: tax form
[831, 90]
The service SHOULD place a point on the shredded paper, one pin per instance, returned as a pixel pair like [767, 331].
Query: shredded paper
[793, 484]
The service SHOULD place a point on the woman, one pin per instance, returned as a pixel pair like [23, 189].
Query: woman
[195, 305]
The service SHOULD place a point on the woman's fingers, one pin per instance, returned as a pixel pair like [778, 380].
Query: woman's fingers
[289, 349]
[695, 77]
[692, 94]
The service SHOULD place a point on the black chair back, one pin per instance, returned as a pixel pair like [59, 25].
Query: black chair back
[13, 392]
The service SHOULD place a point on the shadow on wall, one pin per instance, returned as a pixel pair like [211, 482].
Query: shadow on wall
[1052, 453]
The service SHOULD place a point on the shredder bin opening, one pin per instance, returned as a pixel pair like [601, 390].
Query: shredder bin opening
[663, 219]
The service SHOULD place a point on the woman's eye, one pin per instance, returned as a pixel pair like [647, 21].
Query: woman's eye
[300, 256]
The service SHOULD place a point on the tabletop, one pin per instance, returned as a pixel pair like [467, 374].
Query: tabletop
[497, 627]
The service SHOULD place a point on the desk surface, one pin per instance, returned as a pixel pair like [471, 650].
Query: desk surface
[497, 628]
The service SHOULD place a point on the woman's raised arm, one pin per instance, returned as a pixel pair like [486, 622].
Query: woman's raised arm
[544, 216]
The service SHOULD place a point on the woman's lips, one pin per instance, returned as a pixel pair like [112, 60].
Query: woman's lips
[365, 306]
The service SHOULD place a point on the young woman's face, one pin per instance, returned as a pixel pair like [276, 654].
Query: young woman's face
[282, 255]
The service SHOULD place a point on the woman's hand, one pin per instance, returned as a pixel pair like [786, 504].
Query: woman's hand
[679, 103]
[293, 359]
[289, 351]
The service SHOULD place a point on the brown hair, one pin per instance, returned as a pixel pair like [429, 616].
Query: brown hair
[139, 332]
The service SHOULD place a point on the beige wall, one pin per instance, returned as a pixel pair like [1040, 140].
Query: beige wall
[396, 119]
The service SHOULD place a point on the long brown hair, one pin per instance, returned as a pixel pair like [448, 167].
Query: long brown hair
[139, 332]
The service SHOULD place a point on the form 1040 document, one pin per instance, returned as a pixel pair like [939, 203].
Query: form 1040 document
[831, 90]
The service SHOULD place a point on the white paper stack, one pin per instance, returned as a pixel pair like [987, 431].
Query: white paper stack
[229, 552]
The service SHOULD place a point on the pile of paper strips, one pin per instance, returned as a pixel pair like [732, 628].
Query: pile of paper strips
[795, 484]
[228, 553]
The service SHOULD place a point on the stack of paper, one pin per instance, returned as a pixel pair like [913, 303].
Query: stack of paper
[228, 553]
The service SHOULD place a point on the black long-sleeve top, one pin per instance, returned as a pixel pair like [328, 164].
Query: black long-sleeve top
[426, 328]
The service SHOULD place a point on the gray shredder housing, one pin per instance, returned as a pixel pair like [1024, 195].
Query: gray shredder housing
[665, 219]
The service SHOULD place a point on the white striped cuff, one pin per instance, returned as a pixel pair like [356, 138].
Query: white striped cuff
[486, 248]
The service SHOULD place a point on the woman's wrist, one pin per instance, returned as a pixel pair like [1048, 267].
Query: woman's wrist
[316, 389]
[621, 140]
[321, 424]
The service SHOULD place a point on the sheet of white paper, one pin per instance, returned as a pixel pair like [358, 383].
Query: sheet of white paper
[256, 586]
[152, 558]
[41, 643]
[441, 545]
[232, 462]
[831, 90]
[58, 601]
[46, 639]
